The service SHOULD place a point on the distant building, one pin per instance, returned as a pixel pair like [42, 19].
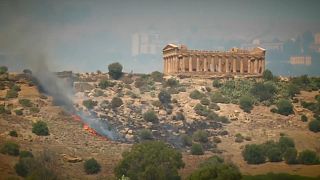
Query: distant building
[145, 44]
[303, 60]
[316, 46]
[275, 46]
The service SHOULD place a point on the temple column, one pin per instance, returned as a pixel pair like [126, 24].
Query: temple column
[234, 65]
[219, 65]
[263, 65]
[212, 64]
[198, 64]
[165, 66]
[249, 66]
[241, 65]
[227, 65]
[183, 68]
[205, 64]
[190, 63]
[255, 66]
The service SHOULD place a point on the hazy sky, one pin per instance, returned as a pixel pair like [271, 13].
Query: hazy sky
[89, 34]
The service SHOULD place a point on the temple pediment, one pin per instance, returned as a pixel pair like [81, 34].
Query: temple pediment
[169, 46]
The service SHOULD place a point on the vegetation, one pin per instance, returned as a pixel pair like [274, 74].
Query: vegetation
[3, 69]
[89, 104]
[200, 136]
[116, 102]
[34, 110]
[145, 134]
[253, 154]
[172, 82]
[216, 83]
[12, 94]
[284, 107]
[150, 160]
[40, 128]
[157, 76]
[164, 97]
[10, 148]
[104, 84]
[115, 70]
[196, 94]
[267, 75]
[197, 149]
[308, 157]
[201, 110]
[290, 156]
[150, 116]
[91, 166]
[218, 98]
[205, 101]
[13, 133]
[216, 168]
[281, 176]
[304, 118]
[263, 91]
[18, 112]
[314, 126]
[186, 140]
[25, 102]
[274, 154]
[246, 103]
[25, 154]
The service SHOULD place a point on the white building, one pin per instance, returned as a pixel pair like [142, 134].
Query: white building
[145, 44]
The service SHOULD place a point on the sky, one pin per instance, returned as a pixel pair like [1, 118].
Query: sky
[87, 35]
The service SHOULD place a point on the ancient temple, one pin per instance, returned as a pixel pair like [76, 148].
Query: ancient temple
[178, 59]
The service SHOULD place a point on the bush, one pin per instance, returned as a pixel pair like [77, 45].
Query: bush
[224, 119]
[186, 140]
[2, 109]
[145, 134]
[263, 91]
[25, 154]
[304, 118]
[157, 76]
[274, 154]
[204, 101]
[253, 154]
[150, 160]
[16, 88]
[293, 90]
[3, 69]
[267, 75]
[216, 83]
[11, 94]
[103, 84]
[196, 149]
[172, 82]
[10, 148]
[22, 168]
[285, 143]
[164, 97]
[290, 156]
[196, 94]
[91, 166]
[115, 70]
[200, 136]
[284, 107]
[127, 80]
[116, 102]
[308, 157]
[314, 126]
[218, 98]
[89, 104]
[13, 133]
[201, 110]
[150, 116]
[40, 128]
[34, 110]
[18, 112]
[214, 106]
[246, 103]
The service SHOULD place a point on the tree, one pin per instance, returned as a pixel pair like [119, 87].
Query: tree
[308, 157]
[200, 136]
[253, 154]
[145, 134]
[164, 97]
[3, 69]
[115, 70]
[216, 83]
[172, 82]
[285, 143]
[89, 104]
[290, 156]
[40, 128]
[186, 140]
[91, 166]
[150, 160]
[263, 91]
[267, 75]
[13, 133]
[116, 102]
[197, 149]
[314, 126]
[274, 154]
[246, 103]
[22, 168]
[284, 107]
[10, 148]
[150, 116]
[157, 76]
[293, 90]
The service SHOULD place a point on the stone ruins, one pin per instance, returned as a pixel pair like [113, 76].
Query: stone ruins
[181, 60]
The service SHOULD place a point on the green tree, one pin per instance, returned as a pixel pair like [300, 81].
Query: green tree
[197, 149]
[164, 97]
[150, 160]
[216, 83]
[115, 70]
[308, 157]
[40, 128]
[91, 166]
[200, 136]
[267, 75]
[150, 116]
[205, 101]
[145, 134]
[314, 126]
[157, 76]
[290, 156]
[10, 148]
[246, 103]
[12, 94]
[293, 90]
[274, 154]
[89, 104]
[25, 102]
[186, 140]
[3, 69]
[253, 154]
[284, 107]
[285, 143]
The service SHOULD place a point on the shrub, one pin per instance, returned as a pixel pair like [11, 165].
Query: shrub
[267, 75]
[216, 139]
[274, 154]
[285, 143]
[179, 116]
[156, 104]
[253, 154]
[3, 69]
[186, 140]
[127, 80]
[18, 112]
[201, 110]
[304, 118]
[216, 83]
[246, 103]
[116, 102]
[157, 76]
[150, 116]
[34, 110]
[25, 154]
[200, 136]
[196, 149]
[273, 110]
[145, 134]
[284, 107]
[115, 70]
[290, 156]
[91, 166]
[239, 138]
[314, 126]
[16, 88]
[172, 82]
[2, 109]
[293, 90]
[11, 94]
[103, 84]
[263, 91]
[13, 133]
[218, 98]
[224, 119]
[10, 148]
[214, 106]
[308, 157]
[196, 94]
[89, 104]
[204, 101]
[164, 97]
[22, 168]
[40, 128]
[150, 160]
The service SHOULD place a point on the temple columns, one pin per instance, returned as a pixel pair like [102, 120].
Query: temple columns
[241, 65]
[219, 65]
[234, 65]
[198, 64]
[227, 65]
[205, 64]
[190, 63]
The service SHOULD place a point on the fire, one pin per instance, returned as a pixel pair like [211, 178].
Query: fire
[89, 129]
